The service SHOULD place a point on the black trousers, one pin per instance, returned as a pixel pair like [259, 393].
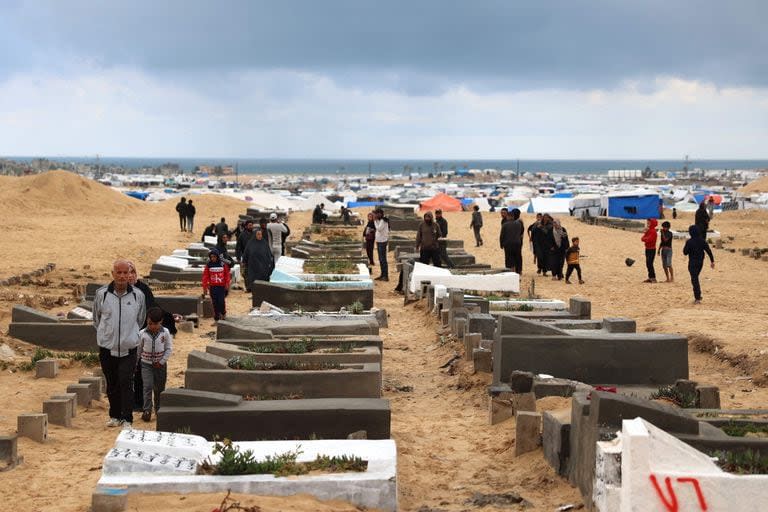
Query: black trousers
[555, 263]
[183, 222]
[513, 258]
[119, 374]
[694, 268]
[369, 250]
[218, 293]
[427, 255]
[650, 255]
[443, 245]
[478, 238]
[571, 268]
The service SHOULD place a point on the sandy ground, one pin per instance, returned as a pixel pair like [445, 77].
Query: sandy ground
[447, 451]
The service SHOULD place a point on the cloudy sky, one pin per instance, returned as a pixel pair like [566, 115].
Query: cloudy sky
[385, 79]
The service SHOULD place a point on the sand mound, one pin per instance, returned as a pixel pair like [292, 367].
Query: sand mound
[757, 186]
[62, 191]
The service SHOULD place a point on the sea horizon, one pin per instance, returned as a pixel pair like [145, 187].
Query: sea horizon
[347, 166]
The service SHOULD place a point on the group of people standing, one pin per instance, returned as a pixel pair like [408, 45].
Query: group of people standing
[376, 235]
[696, 248]
[257, 248]
[549, 242]
[186, 211]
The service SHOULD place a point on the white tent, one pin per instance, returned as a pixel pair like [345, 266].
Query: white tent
[585, 203]
[549, 205]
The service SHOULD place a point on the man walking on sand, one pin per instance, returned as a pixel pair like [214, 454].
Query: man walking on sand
[181, 209]
[118, 313]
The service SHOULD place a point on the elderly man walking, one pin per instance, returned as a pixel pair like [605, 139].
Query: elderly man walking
[118, 313]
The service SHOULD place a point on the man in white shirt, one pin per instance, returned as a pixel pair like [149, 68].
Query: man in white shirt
[382, 238]
[276, 230]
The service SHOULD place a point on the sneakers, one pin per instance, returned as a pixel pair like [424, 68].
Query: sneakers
[146, 416]
[126, 425]
[114, 422]
[581, 281]
[567, 282]
[697, 301]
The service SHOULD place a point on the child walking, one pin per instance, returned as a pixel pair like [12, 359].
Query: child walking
[572, 259]
[665, 251]
[155, 347]
[216, 280]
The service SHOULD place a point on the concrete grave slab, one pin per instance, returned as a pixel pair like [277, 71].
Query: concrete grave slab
[352, 381]
[183, 397]
[657, 470]
[556, 439]
[374, 488]
[594, 359]
[9, 454]
[328, 418]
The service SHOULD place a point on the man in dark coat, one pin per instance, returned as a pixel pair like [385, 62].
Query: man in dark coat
[190, 216]
[511, 240]
[702, 220]
[181, 209]
[242, 242]
[695, 248]
[443, 238]
[221, 228]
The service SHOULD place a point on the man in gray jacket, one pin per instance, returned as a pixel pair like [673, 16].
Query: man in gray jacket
[118, 313]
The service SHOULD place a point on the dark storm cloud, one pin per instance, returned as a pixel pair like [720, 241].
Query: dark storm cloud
[417, 47]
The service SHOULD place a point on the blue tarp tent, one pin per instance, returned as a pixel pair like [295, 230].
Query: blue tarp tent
[138, 195]
[363, 204]
[631, 205]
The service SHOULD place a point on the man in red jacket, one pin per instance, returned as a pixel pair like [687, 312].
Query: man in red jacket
[216, 279]
[649, 239]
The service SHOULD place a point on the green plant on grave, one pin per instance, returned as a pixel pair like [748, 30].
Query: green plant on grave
[738, 429]
[674, 395]
[330, 266]
[344, 347]
[235, 462]
[748, 462]
[87, 358]
[250, 363]
[316, 229]
[300, 346]
[356, 308]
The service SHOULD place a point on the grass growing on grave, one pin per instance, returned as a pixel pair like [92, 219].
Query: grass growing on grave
[344, 347]
[301, 346]
[356, 308]
[89, 359]
[748, 462]
[249, 363]
[323, 266]
[235, 462]
[674, 395]
[738, 429]
[331, 278]
[273, 396]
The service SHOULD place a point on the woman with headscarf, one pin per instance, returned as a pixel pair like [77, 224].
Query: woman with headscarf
[369, 236]
[559, 244]
[258, 258]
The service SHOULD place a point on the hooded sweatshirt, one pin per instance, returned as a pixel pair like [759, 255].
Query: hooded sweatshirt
[215, 273]
[650, 236]
[696, 246]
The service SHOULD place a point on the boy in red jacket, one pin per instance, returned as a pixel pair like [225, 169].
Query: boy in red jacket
[216, 279]
[649, 239]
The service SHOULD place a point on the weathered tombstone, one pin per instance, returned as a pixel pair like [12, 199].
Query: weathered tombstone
[482, 360]
[708, 397]
[71, 398]
[46, 368]
[33, 426]
[109, 500]
[9, 451]
[527, 432]
[58, 412]
[503, 406]
[471, 342]
[84, 393]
